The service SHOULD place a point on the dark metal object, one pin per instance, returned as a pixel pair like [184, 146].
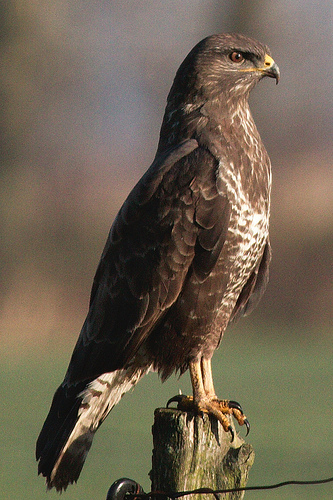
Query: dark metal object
[122, 487]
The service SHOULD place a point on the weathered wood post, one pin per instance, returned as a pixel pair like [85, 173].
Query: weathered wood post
[192, 451]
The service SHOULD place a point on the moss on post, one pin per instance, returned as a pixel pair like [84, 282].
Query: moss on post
[192, 451]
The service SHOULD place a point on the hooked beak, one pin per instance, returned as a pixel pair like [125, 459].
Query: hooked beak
[270, 68]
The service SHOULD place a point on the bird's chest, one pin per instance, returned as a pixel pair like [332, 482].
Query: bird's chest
[248, 230]
[246, 238]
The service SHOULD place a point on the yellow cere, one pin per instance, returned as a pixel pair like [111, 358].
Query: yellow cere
[269, 61]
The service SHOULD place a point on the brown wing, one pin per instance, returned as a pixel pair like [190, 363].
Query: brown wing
[254, 288]
[173, 218]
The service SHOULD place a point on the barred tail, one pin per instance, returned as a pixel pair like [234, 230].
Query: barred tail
[74, 417]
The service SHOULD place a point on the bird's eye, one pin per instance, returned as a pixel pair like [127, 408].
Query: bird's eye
[236, 57]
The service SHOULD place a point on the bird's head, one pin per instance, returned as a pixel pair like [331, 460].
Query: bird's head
[229, 64]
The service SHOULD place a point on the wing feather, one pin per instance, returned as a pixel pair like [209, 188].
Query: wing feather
[255, 287]
[173, 224]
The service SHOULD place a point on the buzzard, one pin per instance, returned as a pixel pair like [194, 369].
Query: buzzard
[187, 253]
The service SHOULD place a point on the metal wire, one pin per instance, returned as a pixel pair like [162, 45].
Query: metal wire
[174, 495]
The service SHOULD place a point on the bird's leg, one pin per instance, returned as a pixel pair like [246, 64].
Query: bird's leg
[207, 377]
[189, 403]
[226, 406]
[204, 399]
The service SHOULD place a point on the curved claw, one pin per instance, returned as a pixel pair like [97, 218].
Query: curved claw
[247, 425]
[237, 406]
[186, 404]
[230, 429]
[175, 399]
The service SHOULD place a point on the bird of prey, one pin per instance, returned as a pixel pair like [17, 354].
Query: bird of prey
[187, 253]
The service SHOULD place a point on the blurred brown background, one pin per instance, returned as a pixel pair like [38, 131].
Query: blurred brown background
[83, 87]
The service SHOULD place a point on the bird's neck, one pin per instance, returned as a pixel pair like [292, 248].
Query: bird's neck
[226, 128]
[221, 119]
[230, 123]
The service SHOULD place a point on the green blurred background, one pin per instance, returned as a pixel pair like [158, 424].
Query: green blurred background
[83, 88]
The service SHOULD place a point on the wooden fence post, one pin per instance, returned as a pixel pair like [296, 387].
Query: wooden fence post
[193, 451]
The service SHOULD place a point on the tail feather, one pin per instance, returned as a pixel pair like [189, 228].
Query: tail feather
[58, 425]
[74, 417]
